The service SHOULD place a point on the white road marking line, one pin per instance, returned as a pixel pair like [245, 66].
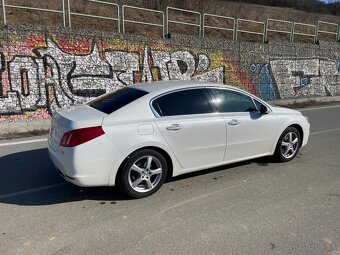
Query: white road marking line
[25, 192]
[317, 108]
[24, 142]
[325, 131]
[205, 195]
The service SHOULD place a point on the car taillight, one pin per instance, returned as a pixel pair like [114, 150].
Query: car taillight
[78, 136]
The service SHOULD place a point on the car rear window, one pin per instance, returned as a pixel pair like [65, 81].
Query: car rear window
[116, 99]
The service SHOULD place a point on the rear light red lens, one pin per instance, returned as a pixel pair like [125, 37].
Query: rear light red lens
[79, 136]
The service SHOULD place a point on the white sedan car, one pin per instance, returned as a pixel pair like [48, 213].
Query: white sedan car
[138, 135]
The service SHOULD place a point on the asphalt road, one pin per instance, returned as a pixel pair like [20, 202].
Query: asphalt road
[256, 207]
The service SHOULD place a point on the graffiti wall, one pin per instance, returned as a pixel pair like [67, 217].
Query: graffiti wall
[299, 78]
[43, 71]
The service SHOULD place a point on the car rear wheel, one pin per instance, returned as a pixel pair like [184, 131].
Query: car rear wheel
[143, 173]
[288, 145]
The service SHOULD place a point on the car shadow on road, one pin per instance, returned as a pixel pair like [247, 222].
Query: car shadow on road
[263, 161]
[29, 178]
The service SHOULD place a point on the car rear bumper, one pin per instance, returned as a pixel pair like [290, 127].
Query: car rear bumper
[84, 166]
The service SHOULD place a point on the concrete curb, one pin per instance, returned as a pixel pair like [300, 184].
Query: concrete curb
[22, 127]
[313, 100]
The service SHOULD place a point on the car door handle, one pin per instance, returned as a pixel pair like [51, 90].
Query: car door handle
[234, 122]
[174, 127]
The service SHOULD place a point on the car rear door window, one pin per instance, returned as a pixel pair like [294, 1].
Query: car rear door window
[116, 99]
[184, 102]
[232, 101]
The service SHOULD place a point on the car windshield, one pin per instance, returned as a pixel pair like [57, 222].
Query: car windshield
[116, 99]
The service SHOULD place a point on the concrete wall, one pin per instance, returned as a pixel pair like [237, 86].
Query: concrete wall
[45, 69]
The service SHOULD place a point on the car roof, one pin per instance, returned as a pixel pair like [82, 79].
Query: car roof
[164, 86]
[159, 87]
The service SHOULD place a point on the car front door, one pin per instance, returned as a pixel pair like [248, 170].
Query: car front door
[249, 133]
[191, 127]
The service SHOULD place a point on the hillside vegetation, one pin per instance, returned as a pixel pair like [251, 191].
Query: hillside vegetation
[314, 6]
[304, 11]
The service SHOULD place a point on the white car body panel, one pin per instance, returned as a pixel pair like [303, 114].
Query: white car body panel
[134, 141]
[254, 136]
[206, 140]
[290, 118]
[203, 135]
[79, 162]
[80, 116]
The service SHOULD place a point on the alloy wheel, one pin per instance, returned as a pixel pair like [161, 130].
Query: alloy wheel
[289, 145]
[145, 174]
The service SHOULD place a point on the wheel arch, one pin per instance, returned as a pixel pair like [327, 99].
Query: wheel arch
[295, 125]
[299, 128]
[159, 150]
[278, 155]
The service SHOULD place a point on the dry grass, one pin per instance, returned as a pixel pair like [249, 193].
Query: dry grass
[232, 9]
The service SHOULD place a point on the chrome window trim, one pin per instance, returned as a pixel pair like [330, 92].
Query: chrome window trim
[252, 97]
[170, 92]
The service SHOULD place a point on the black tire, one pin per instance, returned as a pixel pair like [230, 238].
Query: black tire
[288, 145]
[138, 179]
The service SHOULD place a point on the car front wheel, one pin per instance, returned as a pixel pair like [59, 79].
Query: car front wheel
[288, 145]
[143, 173]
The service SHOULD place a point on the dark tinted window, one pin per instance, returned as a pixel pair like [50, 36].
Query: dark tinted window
[117, 99]
[191, 101]
[232, 101]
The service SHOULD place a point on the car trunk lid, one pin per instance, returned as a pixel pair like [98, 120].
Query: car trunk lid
[73, 118]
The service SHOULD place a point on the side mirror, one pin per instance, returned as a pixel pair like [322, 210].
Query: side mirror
[263, 109]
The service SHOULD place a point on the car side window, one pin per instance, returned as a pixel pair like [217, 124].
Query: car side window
[232, 101]
[258, 104]
[184, 102]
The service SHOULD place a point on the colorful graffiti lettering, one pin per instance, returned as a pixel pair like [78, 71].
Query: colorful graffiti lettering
[298, 78]
[42, 73]
[59, 72]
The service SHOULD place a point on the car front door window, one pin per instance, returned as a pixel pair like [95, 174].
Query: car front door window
[232, 101]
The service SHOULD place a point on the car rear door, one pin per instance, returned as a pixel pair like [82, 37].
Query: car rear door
[194, 131]
[249, 133]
